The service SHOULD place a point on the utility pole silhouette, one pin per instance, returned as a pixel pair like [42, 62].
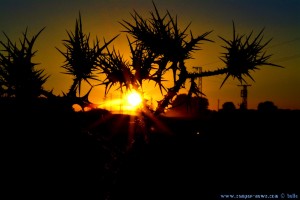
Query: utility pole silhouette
[199, 70]
[244, 95]
[199, 84]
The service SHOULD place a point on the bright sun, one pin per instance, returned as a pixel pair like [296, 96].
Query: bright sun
[134, 98]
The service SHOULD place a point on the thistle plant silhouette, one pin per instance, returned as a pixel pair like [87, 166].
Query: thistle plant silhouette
[244, 55]
[19, 78]
[157, 45]
[81, 61]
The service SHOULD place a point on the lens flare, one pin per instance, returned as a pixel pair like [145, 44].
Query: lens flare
[134, 99]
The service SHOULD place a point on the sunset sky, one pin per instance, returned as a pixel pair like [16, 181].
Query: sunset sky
[281, 20]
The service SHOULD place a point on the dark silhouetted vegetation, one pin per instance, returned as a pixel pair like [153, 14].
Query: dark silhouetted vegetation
[185, 105]
[50, 151]
[228, 106]
[158, 46]
[267, 106]
[19, 77]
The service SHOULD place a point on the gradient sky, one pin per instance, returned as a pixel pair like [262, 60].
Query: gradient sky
[280, 18]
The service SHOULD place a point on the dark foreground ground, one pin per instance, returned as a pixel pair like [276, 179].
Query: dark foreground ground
[50, 155]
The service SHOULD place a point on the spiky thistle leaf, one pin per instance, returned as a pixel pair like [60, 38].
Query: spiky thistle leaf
[244, 55]
[81, 58]
[18, 75]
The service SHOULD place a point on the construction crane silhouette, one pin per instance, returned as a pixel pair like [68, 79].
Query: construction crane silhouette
[244, 95]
